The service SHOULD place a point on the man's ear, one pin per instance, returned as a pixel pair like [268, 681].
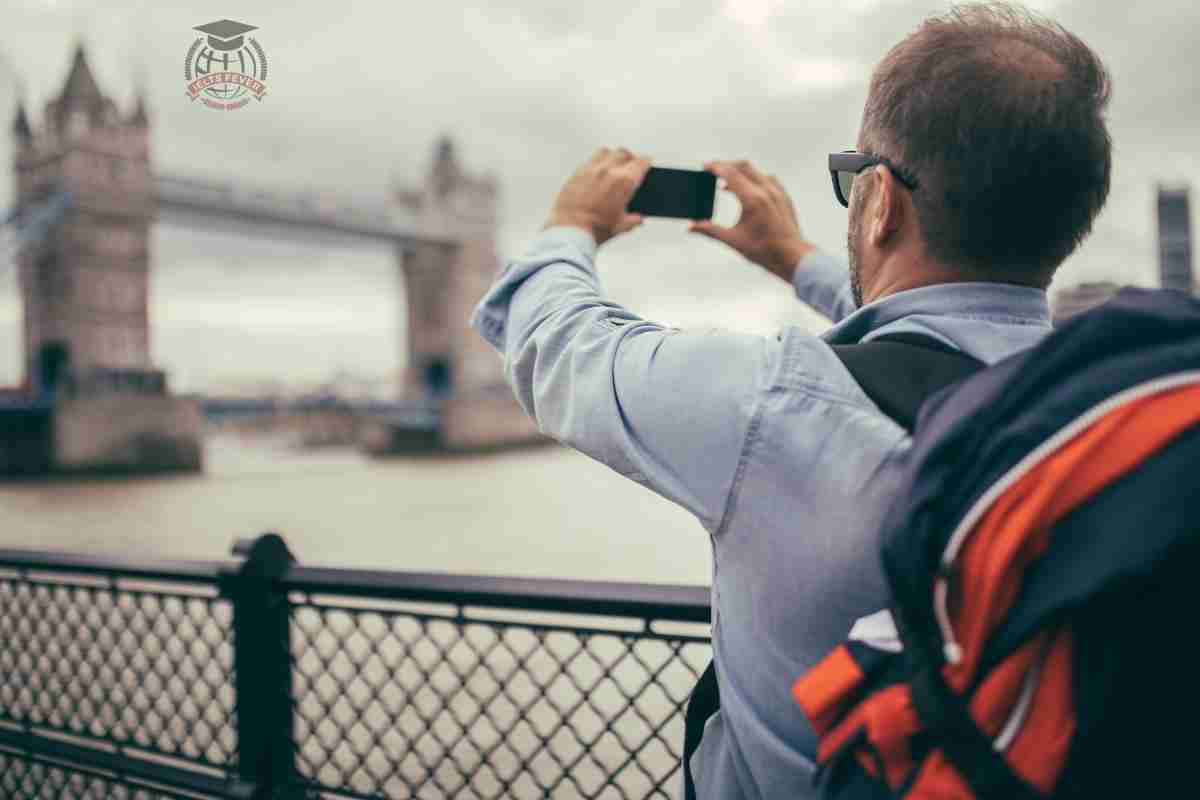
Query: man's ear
[888, 212]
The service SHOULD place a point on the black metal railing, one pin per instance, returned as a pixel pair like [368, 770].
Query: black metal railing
[259, 677]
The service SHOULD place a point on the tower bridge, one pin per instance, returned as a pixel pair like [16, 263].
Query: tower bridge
[84, 284]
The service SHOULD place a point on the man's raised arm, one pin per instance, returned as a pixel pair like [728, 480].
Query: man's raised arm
[667, 408]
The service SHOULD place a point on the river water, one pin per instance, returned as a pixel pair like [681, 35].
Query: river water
[541, 512]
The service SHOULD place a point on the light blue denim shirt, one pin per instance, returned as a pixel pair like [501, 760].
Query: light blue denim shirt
[768, 441]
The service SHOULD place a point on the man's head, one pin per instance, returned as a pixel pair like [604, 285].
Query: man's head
[999, 116]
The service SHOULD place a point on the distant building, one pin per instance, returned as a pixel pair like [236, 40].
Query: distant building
[1175, 239]
[84, 289]
[95, 401]
[1073, 300]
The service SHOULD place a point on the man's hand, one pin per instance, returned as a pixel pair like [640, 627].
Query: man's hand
[767, 232]
[595, 197]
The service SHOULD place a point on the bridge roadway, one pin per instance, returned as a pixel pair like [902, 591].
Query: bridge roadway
[313, 211]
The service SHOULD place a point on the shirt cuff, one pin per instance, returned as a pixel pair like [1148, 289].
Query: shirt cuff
[569, 234]
[823, 282]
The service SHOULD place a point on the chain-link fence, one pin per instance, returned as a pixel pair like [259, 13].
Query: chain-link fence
[24, 778]
[130, 666]
[259, 676]
[406, 704]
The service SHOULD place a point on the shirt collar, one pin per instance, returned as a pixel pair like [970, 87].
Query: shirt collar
[983, 300]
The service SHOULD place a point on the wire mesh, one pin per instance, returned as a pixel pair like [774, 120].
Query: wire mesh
[397, 704]
[134, 667]
[130, 668]
[22, 778]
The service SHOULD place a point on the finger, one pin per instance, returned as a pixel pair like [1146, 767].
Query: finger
[628, 223]
[615, 158]
[712, 230]
[736, 181]
[764, 192]
[786, 198]
[626, 176]
[775, 187]
[634, 169]
[752, 189]
[749, 170]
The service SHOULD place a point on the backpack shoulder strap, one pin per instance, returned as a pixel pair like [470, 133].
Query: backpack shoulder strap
[899, 371]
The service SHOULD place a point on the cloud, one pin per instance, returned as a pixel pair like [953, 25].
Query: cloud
[753, 14]
[530, 88]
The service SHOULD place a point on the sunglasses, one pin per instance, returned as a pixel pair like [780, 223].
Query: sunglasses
[844, 166]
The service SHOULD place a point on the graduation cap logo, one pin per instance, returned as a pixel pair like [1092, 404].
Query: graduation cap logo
[225, 67]
[225, 34]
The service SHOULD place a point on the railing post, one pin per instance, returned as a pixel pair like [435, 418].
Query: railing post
[262, 665]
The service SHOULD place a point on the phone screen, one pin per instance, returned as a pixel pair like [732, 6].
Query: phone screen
[683, 193]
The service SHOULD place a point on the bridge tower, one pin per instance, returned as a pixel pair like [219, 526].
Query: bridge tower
[85, 288]
[450, 366]
[85, 285]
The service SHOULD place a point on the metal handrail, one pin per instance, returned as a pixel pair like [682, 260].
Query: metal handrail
[134, 772]
[658, 601]
[272, 600]
[114, 565]
[669, 602]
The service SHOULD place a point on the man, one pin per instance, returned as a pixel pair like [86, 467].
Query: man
[985, 161]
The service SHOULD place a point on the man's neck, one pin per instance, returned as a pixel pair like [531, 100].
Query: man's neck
[900, 276]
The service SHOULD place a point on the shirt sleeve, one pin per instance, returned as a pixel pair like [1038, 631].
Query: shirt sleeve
[823, 282]
[668, 408]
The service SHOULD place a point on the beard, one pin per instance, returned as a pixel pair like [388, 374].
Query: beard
[852, 239]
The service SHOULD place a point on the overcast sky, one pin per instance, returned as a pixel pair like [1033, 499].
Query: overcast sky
[358, 91]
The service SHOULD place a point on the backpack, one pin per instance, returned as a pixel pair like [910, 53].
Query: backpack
[897, 372]
[1041, 557]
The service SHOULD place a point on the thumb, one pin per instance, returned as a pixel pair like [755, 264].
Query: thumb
[711, 230]
[629, 222]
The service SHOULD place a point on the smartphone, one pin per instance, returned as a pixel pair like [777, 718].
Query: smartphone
[683, 193]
